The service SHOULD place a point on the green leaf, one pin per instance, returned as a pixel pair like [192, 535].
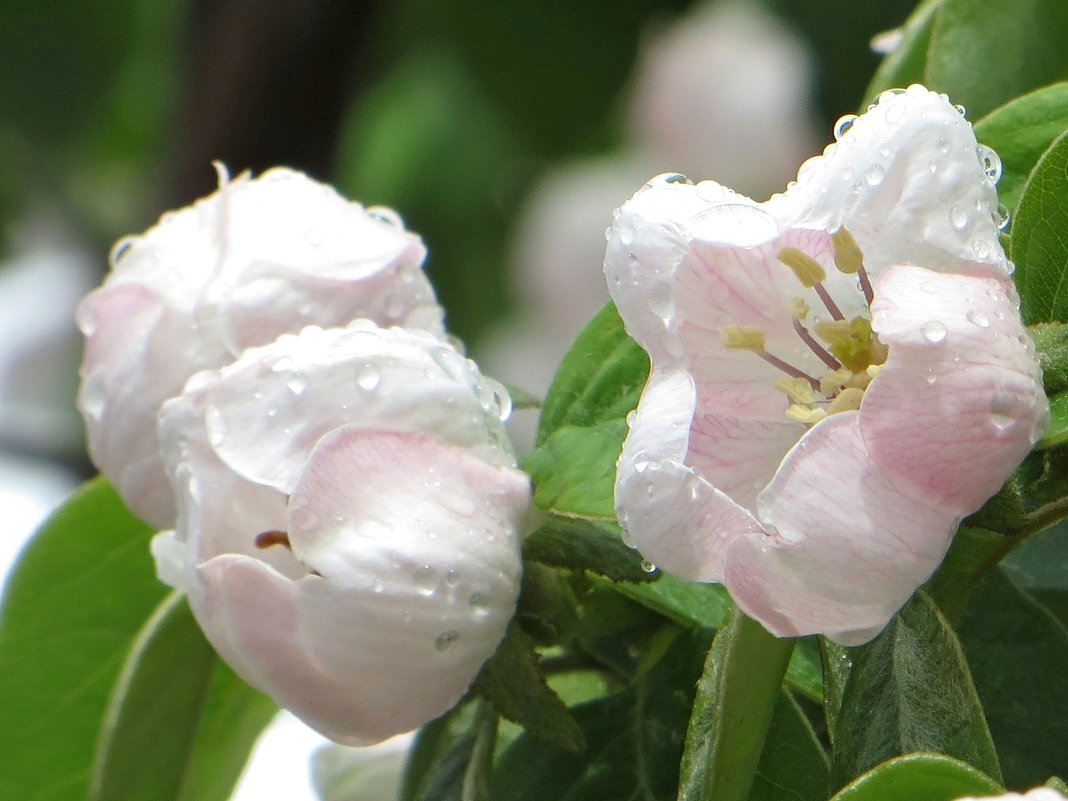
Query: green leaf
[634, 740]
[1057, 784]
[460, 771]
[906, 64]
[736, 697]
[180, 725]
[1040, 240]
[1018, 654]
[578, 544]
[1057, 430]
[910, 690]
[793, 765]
[984, 54]
[919, 777]
[574, 470]
[76, 598]
[511, 681]
[1021, 131]
[599, 380]
[836, 668]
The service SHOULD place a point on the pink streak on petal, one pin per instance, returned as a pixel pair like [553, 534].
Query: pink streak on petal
[848, 544]
[959, 402]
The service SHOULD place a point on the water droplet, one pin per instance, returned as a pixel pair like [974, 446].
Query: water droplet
[980, 248]
[452, 578]
[943, 144]
[626, 234]
[931, 377]
[641, 464]
[991, 163]
[297, 383]
[215, 425]
[932, 167]
[632, 415]
[934, 331]
[368, 377]
[668, 178]
[426, 580]
[479, 605]
[843, 125]
[960, 109]
[377, 587]
[386, 215]
[874, 174]
[1001, 217]
[1002, 409]
[647, 566]
[120, 249]
[446, 639]
[958, 217]
[979, 318]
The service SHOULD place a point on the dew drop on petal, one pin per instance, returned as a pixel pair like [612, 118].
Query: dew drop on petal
[991, 163]
[479, 605]
[385, 215]
[647, 566]
[843, 124]
[960, 109]
[979, 318]
[297, 383]
[446, 639]
[934, 331]
[1001, 217]
[958, 217]
[377, 587]
[931, 377]
[874, 174]
[668, 178]
[120, 249]
[368, 377]
[1002, 406]
[426, 580]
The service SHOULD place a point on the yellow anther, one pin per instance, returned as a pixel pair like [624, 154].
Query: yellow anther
[833, 380]
[873, 370]
[803, 414]
[848, 257]
[808, 271]
[846, 401]
[797, 389]
[798, 308]
[858, 380]
[833, 331]
[743, 337]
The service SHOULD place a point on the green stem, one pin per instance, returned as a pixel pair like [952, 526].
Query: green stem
[731, 714]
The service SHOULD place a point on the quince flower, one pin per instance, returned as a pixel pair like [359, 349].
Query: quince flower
[256, 259]
[839, 374]
[348, 523]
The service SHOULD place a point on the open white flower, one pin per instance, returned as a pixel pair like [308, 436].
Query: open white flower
[348, 523]
[839, 373]
[256, 259]
[1038, 794]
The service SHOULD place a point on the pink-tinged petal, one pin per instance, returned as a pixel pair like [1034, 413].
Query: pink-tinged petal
[738, 456]
[218, 511]
[647, 240]
[417, 543]
[959, 402]
[847, 543]
[369, 495]
[305, 386]
[908, 175]
[672, 515]
[126, 326]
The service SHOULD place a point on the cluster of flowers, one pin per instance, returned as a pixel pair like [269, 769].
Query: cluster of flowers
[267, 381]
[839, 375]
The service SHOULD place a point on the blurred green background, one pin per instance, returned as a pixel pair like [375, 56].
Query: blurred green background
[448, 110]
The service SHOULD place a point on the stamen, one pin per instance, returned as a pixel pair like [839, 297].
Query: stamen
[833, 331]
[804, 414]
[847, 400]
[834, 380]
[797, 389]
[743, 337]
[268, 538]
[798, 308]
[815, 346]
[789, 369]
[873, 370]
[808, 271]
[811, 275]
[849, 259]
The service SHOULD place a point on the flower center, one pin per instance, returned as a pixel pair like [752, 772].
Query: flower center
[850, 350]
